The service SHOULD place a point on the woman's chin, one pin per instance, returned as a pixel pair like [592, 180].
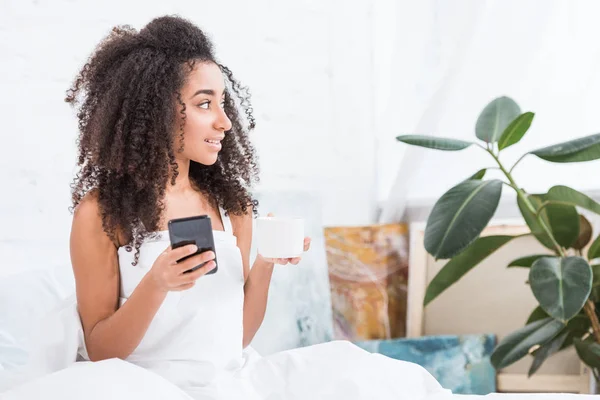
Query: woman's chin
[210, 160]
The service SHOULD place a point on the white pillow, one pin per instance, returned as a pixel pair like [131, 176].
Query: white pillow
[108, 379]
[25, 299]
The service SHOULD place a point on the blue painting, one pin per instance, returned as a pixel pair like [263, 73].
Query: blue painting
[460, 363]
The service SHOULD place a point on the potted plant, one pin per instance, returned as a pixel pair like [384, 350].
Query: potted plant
[566, 282]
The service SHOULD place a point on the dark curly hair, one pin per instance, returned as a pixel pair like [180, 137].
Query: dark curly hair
[127, 96]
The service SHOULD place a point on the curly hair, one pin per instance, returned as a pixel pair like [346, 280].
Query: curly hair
[127, 98]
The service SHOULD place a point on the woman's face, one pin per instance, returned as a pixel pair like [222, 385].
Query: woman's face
[206, 121]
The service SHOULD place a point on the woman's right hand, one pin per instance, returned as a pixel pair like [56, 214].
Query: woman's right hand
[168, 275]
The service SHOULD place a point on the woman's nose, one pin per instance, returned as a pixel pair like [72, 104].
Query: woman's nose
[223, 123]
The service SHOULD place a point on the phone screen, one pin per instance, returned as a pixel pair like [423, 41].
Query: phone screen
[193, 230]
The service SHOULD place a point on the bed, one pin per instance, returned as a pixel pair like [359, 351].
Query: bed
[30, 296]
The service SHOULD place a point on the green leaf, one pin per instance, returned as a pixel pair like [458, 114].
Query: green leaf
[585, 233]
[596, 272]
[532, 221]
[526, 261]
[463, 263]
[561, 285]
[594, 250]
[578, 150]
[547, 349]
[477, 175]
[595, 295]
[516, 130]
[577, 327]
[564, 223]
[537, 314]
[436, 143]
[460, 215]
[516, 345]
[495, 118]
[571, 196]
[588, 351]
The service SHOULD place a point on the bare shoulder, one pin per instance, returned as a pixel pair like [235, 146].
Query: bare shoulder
[88, 209]
[242, 229]
[87, 220]
[242, 225]
[95, 264]
[87, 232]
[241, 221]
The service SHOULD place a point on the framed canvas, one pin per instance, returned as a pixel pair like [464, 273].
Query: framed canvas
[489, 299]
[368, 274]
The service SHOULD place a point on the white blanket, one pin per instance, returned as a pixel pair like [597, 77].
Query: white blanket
[330, 371]
[528, 396]
[119, 380]
[334, 370]
[109, 379]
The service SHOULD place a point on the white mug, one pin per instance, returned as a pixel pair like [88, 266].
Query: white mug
[279, 237]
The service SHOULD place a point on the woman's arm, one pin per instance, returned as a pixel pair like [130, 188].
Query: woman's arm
[109, 331]
[257, 279]
[256, 292]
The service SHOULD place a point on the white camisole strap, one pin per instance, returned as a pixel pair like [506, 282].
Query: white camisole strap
[227, 227]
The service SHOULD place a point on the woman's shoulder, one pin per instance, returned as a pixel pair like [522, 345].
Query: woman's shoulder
[87, 216]
[88, 208]
[242, 221]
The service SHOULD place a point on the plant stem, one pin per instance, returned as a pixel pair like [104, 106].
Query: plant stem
[590, 311]
[518, 161]
[530, 206]
[507, 184]
[589, 307]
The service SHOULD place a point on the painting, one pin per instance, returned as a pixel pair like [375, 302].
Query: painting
[460, 363]
[368, 276]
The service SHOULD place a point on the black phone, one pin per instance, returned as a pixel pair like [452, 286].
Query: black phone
[193, 230]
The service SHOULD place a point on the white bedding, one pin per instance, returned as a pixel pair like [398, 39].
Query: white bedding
[53, 375]
[527, 396]
[119, 380]
[110, 379]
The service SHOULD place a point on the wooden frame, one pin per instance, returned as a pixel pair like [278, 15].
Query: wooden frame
[506, 382]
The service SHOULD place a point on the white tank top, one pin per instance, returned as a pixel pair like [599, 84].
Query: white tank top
[198, 332]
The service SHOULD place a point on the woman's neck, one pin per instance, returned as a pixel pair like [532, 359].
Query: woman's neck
[182, 182]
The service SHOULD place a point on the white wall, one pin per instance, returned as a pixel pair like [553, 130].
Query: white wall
[542, 53]
[307, 63]
[333, 83]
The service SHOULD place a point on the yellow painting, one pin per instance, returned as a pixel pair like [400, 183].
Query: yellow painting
[368, 274]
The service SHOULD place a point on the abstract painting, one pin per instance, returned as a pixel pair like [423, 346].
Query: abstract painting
[460, 363]
[368, 274]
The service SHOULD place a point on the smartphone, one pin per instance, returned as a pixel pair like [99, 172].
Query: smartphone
[193, 230]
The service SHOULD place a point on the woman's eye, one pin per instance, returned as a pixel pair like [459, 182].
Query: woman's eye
[204, 105]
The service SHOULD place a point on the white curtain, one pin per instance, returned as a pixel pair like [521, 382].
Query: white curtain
[440, 62]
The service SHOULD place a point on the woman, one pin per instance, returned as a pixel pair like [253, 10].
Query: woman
[161, 138]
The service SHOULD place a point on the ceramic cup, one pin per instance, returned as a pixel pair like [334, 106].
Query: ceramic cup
[279, 237]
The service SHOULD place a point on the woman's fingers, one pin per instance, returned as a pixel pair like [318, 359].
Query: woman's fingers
[191, 277]
[307, 241]
[193, 261]
[185, 286]
[177, 254]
